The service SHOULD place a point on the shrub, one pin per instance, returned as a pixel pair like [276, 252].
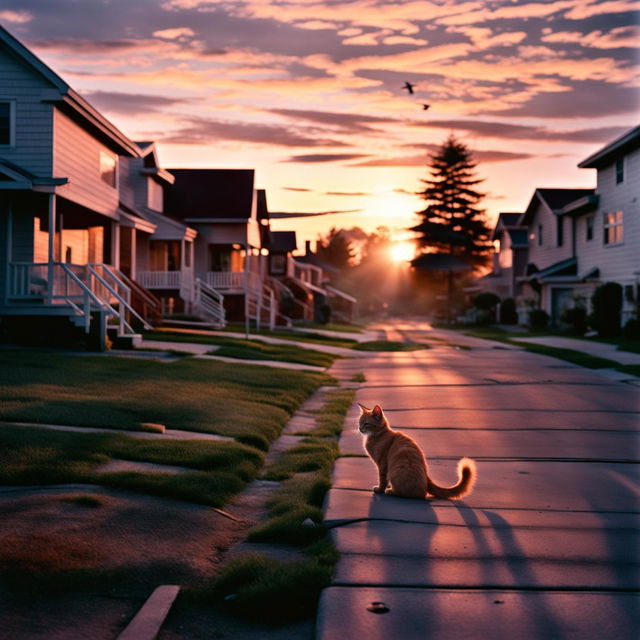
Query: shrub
[607, 304]
[631, 330]
[508, 313]
[538, 319]
[486, 301]
[576, 317]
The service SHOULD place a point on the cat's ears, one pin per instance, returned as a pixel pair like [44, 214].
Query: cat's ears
[363, 409]
[376, 411]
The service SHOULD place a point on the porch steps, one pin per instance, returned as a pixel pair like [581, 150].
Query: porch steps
[124, 341]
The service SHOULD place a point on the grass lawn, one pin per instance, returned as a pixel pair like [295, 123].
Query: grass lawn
[249, 349]
[32, 456]
[246, 402]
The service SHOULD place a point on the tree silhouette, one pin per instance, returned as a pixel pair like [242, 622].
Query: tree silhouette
[452, 223]
[336, 249]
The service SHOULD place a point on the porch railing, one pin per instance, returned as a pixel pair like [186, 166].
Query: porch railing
[160, 279]
[82, 288]
[209, 302]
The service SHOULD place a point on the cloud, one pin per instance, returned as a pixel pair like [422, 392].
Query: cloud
[508, 131]
[349, 122]
[131, 103]
[175, 33]
[285, 214]
[346, 193]
[15, 17]
[589, 9]
[326, 157]
[627, 36]
[203, 131]
[422, 160]
[302, 189]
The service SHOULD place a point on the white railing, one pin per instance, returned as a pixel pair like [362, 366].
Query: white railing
[82, 288]
[226, 279]
[160, 279]
[209, 303]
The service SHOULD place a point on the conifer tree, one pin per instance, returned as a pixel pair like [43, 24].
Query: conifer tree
[452, 223]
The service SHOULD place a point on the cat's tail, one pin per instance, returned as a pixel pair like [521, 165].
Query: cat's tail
[466, 479]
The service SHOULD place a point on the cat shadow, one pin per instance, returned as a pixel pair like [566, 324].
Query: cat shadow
[504, 565]
[393, 526]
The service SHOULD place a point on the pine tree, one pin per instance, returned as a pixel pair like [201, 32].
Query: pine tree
[452, 223]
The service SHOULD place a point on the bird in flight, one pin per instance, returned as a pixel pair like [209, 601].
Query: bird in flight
[409, 87]
[425, 106]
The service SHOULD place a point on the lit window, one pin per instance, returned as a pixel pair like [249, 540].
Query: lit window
[108, 165]
[590, 220]
[613, 227]
[620, 170]
[6, 123]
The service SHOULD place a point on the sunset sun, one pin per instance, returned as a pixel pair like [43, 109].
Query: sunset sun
[402, 252]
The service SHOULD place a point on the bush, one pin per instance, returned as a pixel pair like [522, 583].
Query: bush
[324, 314]
[631, 330]
[508, 313]
[576, 317]
[607, 305]
[538, 319]
[486, 301]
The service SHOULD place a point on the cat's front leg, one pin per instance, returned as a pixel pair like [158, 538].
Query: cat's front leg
[382, 481]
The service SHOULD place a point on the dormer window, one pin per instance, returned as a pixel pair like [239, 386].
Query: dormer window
[7, 124]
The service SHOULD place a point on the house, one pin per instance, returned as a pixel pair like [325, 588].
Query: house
[576, 239]
[552, 271]
[509, 259]
[607, 226]
[230, 217]
[60, 209]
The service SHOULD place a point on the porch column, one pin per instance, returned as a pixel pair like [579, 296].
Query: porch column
[115, 244]
[9, 251]
[51, 247]
[134, 238]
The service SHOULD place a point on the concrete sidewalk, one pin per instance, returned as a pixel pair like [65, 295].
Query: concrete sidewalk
[545, 546]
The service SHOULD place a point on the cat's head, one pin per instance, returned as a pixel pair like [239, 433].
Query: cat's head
[372, 421]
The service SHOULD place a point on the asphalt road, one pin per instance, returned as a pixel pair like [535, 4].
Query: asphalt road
[547, 544]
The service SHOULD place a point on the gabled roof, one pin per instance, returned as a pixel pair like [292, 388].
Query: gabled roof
[211, 194]
[505, 222]
[519, 237]
[67, 99]
[626, 143]
[152, 164]
[284, 241]
[554, 199]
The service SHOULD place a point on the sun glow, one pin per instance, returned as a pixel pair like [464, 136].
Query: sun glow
[402, 252]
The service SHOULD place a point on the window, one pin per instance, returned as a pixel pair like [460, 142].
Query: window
[154, 195]
[613, 227]
[108, 166]
[539, 235]
[620, 170]
[7, 122]
[590, 220]
[560, 230]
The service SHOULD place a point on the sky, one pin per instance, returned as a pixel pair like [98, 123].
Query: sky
[310, 94]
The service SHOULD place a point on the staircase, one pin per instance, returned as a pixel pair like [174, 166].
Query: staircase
[88, 294]
[208, 303]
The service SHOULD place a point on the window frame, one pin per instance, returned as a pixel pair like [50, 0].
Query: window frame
[590, 228]
[613, 228]
[12, 124]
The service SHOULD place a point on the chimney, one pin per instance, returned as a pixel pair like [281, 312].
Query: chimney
[307, 247]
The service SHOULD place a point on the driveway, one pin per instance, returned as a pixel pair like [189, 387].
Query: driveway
[545, 546]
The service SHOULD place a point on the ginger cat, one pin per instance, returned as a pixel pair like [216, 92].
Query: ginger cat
[402, 468]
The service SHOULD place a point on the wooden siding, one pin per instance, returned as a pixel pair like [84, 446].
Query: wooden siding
[549, 252]
[616, 262]
[77, 157]
[34, 118]
[125, 182]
